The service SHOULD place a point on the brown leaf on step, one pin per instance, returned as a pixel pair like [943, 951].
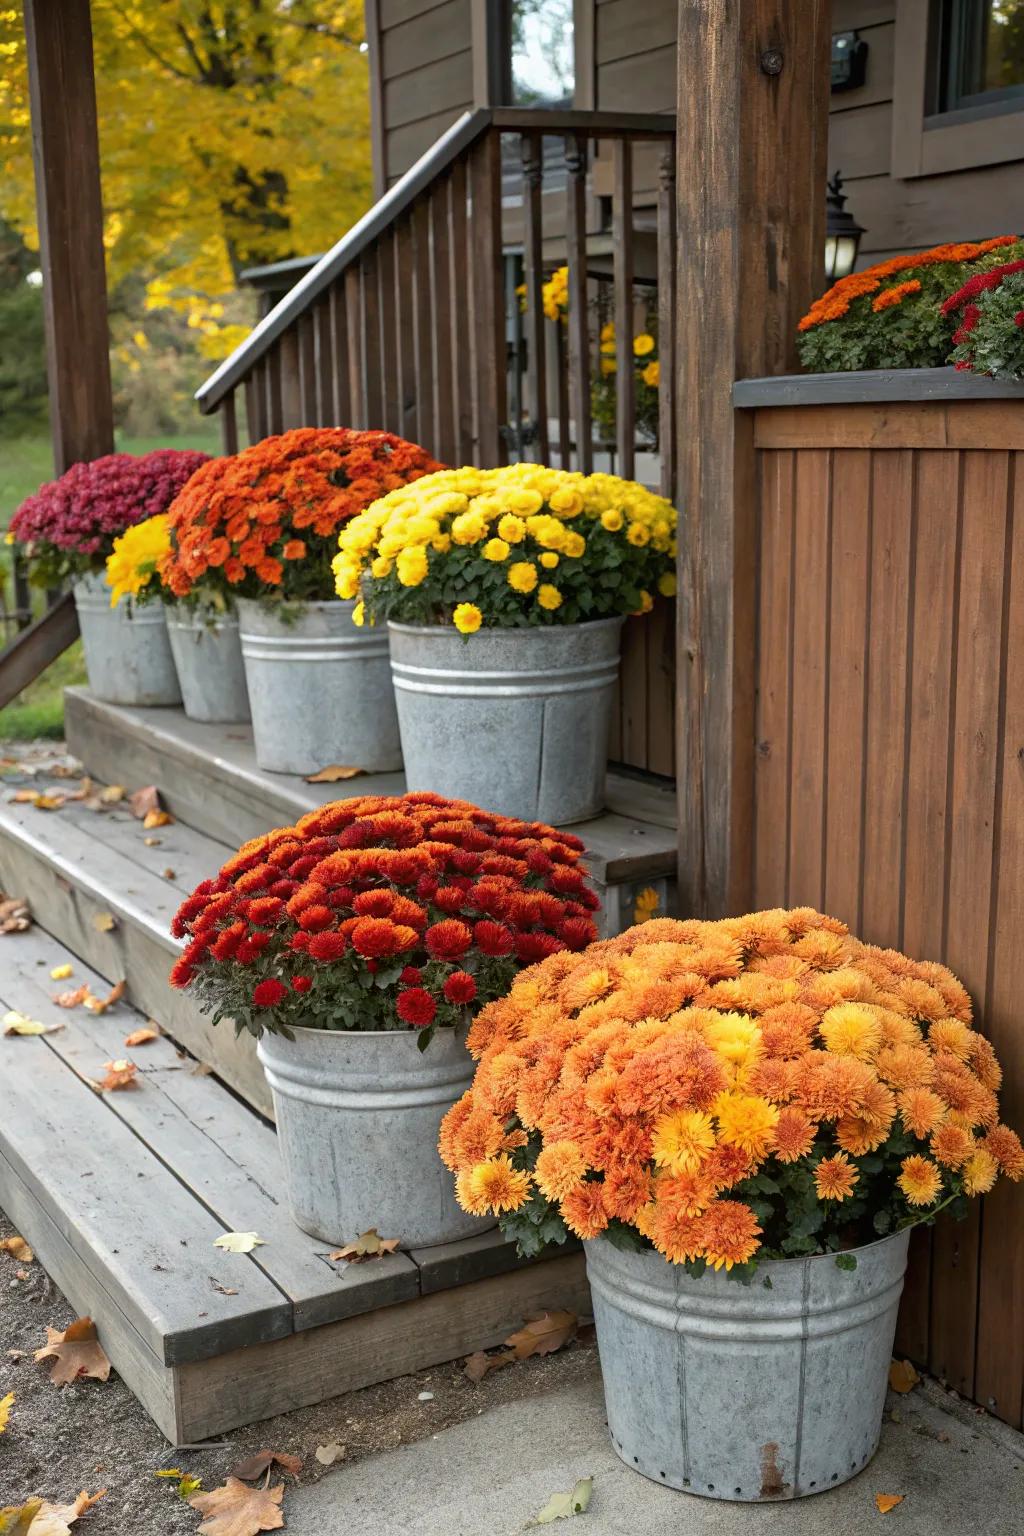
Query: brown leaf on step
[42, 802]
[368, 1245]
[902, 1376]
[157, 819]
[83, 792]
[225, 1290]
[887, 1501]
[17, 1248]
[57, 1519]
[72, 998]
[144, 800]
[104, 922]
[112, 793]
[201, 1069]
[169, 874]
[15, 916]
[255, 1466]
[120, 1074]
[328, 1454]
[152, 842]
[77, 1352]
[101, 1004]
[238, 1510]
[543, 1335]
[141, 1036]
[334, 773]
[480, 1364]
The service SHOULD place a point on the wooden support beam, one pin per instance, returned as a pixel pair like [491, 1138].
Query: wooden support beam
[70, 212]
[753, 97]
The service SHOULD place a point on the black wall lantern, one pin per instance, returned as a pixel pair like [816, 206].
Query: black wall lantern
[842, 234]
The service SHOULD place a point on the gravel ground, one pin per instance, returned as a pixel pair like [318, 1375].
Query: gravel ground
[95, 1435]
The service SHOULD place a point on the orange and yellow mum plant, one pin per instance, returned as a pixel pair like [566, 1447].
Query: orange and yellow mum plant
[762, 1086]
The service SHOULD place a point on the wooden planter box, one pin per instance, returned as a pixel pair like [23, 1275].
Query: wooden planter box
[889, 757]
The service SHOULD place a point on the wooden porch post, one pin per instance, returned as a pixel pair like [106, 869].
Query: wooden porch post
[752, 140]
[67, 174]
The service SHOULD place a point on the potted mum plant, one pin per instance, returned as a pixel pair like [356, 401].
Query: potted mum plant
[764, 1099]
[357, 946]
[68, 529]
[989, 337]
[257, 531]
[505, 591]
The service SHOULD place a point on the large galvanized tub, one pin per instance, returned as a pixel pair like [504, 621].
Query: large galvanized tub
[127, 651]
[769, 1391]
[208, 655]
[515, 720]
[319, 689]
[358, 1115]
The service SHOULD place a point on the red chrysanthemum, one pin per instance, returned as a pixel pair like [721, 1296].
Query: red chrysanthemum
[379, 937]
[326, 946]
[416, 1007]
[268, 993]
[460, 987]
[448, 939]
[493, 938]
[301, 983]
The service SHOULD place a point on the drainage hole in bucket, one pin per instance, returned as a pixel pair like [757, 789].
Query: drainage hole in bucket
[711, 1487]
[661, 1474]
[686, 1482]
[835, 1477]
[737, 1490]
[636, 1461]
[813, 1485]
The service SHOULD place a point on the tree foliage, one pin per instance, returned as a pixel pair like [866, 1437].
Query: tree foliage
[232, 133]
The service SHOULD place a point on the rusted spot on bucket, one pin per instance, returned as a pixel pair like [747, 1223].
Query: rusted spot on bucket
[772, 1485]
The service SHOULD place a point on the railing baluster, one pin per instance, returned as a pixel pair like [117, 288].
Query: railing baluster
[272, 390]
[342, 382]
[562, 373]
[228, 424]
[356, 360]
[286, 351]
[622, 256]
[579, 326]
[533, 278]
[423, 318]
[323, 352]
[441, 384]
[488, 313]
[252, 425]
[667, 318]
[370, 307]
[385, 342]
[405, 364]
[460, 339]
[307, 371]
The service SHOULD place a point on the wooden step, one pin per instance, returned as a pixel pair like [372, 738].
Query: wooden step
[208, 777]
[123, 1194]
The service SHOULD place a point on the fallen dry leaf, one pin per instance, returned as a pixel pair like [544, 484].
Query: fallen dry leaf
[238, 1242]
[57, 1519]
[157, 819]
[902, 1376]
[141, 1036]
[185, 1484]
[255, 1466]
[368, 1245]
[20, 1024]
[169, 874]
[77, 1352]
[152, 842]
[120, 1074]
[61, 972]
[238, 1510]
[73, 997]
[225, 1290]
[144, 800]
[543, 1335]
[112, 793]
[15, 916]
[328, 1454]
[17, 1248]
[104, 922]
[334, 773]
[42, 802]
[887, 1501]
[480, 1364]
[201, 1069]
[101, 1004]
[6, 1404]
[15, 1520]
[561, 1506]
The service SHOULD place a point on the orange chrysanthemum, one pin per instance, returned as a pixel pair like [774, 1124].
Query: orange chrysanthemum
[728, 1233]
[495, 1186]
[952, 1145]
[835, 1177]
[682, 1140]
[794, 1135]
[560, 1168]
[920, 1180]
[583, 1210]
[1005, 1146]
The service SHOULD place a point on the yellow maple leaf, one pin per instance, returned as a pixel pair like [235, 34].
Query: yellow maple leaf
[887, 1501]
[6, 1404]
[20, 1024]
[61, 972]
[238, 1242]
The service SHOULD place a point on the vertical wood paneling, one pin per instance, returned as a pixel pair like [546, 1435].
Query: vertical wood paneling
[354, 326]
[975, 755]
[342, 380]
[445, 302]
[633, 690]
[846, 658]
[423, 321]
[405, 356]
[307, 372]
[323, 351]
[891, 520]
[999, 1379]
[771, 778]
[659, 756]
[808, 777]
[369, 298]
[460, 343]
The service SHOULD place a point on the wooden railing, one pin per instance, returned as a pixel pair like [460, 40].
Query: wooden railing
[413, 323]
[29, 644]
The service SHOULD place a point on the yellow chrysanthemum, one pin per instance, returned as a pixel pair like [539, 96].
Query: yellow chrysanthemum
[495, 549]
[549, 560]
[638, 535]
[980, 1172]
[412, 566]
[511, 528]
[667, 584]
[643, 345]
[612, 520]
[682, 1140]
[573, 545]
[468, 528]
[852, 1029]
[467, 618]
[493, 1187]
[920, 1180]
[651, 375]
[548, 596]
[745, 1120]
[359, 615]
[522, 576]
[137, 552]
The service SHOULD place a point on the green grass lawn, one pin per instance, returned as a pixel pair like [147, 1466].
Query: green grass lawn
[25, 463]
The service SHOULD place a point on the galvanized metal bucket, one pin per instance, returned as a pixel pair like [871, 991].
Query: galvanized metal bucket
[319, 689]
[358, 1115]
[208, 655]
[515, 720]
[127, 651]
[763, 1392]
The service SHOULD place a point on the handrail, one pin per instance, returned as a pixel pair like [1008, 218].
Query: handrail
[461, 136]
[32, 651]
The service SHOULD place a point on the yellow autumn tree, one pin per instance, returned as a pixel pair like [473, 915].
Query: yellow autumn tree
[232, 133]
